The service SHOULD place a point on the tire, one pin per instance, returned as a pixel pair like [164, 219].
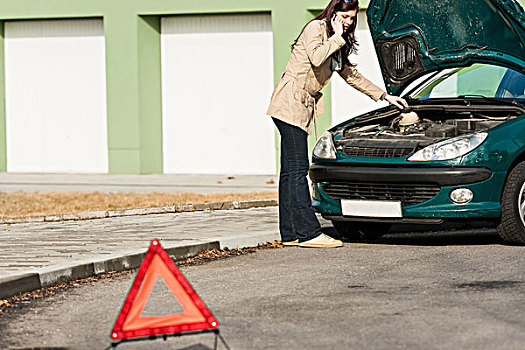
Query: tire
[358, 231]
[512, 224]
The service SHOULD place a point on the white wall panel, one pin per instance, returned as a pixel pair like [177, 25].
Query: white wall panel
[346, 101]
[56, 96]
[217, 79]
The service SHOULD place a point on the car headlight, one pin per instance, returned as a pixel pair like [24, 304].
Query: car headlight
[324, 148]
[450, 149]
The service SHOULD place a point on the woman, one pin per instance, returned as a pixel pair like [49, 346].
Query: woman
[322, 48]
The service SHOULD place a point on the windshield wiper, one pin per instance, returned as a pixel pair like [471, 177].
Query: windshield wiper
[472, 96]
[515, 102]
[491, 99]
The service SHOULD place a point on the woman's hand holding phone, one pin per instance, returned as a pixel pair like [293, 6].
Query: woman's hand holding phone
[337, 25]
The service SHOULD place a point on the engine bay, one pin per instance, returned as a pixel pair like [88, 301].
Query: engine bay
[420, 126]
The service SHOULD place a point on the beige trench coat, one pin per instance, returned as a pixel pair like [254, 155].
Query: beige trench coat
[307, 72]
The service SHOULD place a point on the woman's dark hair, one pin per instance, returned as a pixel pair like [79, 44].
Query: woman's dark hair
[349, 36]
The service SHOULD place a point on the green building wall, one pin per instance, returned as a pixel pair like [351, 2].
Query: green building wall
[133, 63]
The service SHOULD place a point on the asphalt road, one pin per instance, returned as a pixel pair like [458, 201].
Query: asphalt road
[452, 290]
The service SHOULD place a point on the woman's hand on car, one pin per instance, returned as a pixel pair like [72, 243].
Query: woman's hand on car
[338, 25]
[397, 101]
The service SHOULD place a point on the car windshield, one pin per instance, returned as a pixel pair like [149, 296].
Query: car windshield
[478, 80]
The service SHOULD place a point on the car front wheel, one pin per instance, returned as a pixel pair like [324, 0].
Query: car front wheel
[357, 231]
[512, 225]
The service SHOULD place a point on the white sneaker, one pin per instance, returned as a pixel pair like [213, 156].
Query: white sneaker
[291, 243]
[322, 241]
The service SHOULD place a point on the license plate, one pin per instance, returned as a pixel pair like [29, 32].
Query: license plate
[375, 209]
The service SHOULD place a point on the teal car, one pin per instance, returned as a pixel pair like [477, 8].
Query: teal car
[458, 152]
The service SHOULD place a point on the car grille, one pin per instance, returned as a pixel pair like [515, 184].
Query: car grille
[408, 194]
[378, 148]
[385, 152]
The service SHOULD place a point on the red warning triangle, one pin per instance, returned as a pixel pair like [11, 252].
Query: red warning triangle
[195, 317]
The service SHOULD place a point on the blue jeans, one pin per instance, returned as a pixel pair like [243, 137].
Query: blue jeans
[297, 220]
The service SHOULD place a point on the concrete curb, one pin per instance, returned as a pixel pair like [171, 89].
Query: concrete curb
[70, 271]
[145, 211]
[248, 240]
[13, 285]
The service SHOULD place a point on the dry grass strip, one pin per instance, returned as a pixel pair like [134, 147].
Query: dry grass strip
[21, 204]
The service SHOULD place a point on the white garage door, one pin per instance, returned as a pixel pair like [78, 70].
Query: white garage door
[217, 79]
[56, 96]
[346, 101]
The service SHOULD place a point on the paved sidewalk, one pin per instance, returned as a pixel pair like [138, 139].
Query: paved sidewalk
[136, 183]
[41, 254]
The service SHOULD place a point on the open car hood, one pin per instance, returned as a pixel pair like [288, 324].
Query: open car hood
[413, 37]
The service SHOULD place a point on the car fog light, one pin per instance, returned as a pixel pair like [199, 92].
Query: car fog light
[461, 195]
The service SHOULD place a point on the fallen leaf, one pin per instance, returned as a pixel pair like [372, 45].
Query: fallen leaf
[275, 244]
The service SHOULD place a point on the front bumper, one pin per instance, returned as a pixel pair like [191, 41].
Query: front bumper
[439, 176]
[486, 185]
